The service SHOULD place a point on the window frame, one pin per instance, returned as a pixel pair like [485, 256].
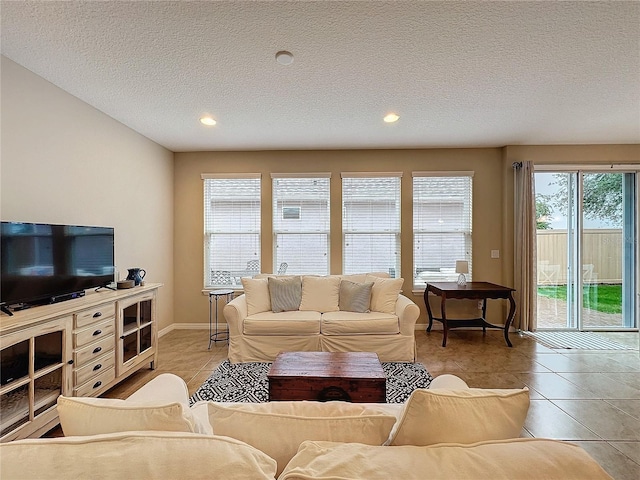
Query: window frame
[350, 229]
[233, 268]
[320, 231]
[440, 273]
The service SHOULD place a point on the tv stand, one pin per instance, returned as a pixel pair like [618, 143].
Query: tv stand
[6, 309]
[81, 348]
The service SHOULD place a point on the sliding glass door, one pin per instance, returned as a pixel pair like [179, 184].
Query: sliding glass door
[587, 265]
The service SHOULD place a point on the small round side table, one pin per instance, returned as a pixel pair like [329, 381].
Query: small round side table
[217, 336]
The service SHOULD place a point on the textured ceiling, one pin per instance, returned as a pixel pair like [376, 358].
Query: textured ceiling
[459, 74]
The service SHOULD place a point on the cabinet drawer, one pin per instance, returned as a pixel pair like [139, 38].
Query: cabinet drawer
[86, 354]
[99, 365]
[94, 385]
[94, 332]
[96, 314]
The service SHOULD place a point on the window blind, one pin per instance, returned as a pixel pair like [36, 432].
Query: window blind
[442, 227]
[231, 230]
[371, 224]
[301, 224]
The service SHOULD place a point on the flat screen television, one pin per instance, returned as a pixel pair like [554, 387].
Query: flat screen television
[44, 263]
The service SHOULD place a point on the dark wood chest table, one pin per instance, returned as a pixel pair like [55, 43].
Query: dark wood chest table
[324, 376]
[472, 290]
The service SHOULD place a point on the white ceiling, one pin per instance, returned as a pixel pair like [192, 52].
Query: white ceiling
[459, 74]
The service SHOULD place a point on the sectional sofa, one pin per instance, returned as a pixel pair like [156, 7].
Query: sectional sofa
[334, 313]
[446, 432]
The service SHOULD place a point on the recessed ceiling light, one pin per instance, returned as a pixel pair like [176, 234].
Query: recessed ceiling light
[284, 58]
[207, 121]
[391, 117]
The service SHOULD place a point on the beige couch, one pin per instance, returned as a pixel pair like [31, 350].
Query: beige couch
[447, 432]
[321, 321]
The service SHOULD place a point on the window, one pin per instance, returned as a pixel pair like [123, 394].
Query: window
[441, 225]
[371, 223]
[231, 229]
[301, 223]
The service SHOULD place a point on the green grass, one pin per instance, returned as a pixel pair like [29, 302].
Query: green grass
[602, 298]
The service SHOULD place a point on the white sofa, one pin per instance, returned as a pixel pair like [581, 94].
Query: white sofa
[298, 440]
[322, 321]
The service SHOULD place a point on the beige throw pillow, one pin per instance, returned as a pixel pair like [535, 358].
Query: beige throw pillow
[285, 293]
[384, 293]
[135, 455]
[279, 435]
[320, 294]
[461, 416]
[256, 292]
[92, 416]
[355, 297]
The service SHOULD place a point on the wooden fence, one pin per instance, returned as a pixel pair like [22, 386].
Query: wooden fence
[601, 256]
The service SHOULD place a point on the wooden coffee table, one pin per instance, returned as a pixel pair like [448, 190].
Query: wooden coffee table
[325, 376]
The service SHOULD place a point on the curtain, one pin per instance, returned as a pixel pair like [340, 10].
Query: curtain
[525, 246]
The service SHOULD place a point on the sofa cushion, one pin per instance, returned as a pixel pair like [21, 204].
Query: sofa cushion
[320, 294]
[280, 434]
[256, 292]
[352, 323]
[521, 458]
[384, 293]
[355, 297]
[285, 293]
[283, 323]
[157, 455]
[93, 416]
[461, 416]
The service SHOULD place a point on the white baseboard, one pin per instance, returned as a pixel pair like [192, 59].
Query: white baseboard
[183, 326]
[205, 326]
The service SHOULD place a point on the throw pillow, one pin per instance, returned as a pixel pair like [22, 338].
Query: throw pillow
[384, 293]
[256, 292]
[135, 455]
[516, 458]
[461, 416]
[355, 297]
[279, 435]
[92, 416]
[285, 293]
[320, 294]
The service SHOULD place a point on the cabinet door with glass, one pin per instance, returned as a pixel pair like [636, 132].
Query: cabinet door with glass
[35, 369]
[137, 334]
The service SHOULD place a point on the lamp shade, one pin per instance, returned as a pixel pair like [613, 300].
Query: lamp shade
[462, 266]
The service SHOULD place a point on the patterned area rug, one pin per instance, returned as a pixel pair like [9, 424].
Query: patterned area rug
[247, 382]
[576, 341]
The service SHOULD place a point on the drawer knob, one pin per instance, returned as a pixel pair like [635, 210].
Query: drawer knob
[97, 314]
[97, 367]
[97, 332]
[97, 349]
[70, 362]
[97, 384]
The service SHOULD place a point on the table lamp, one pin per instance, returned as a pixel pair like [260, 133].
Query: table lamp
[462, 267]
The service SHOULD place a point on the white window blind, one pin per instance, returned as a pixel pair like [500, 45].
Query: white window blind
[231, 230]
[442, 212]
[301, 224]
[371, 224]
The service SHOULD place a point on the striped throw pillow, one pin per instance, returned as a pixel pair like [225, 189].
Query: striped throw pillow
[355, 297]
[285, 293]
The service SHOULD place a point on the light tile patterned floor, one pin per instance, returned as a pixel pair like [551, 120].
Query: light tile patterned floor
[591, 398]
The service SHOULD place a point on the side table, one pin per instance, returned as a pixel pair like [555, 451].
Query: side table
[215, 295]
[472, 290]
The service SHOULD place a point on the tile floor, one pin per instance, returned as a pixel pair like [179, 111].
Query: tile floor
[591, 398]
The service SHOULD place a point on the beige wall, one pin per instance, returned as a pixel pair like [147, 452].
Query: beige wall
[487, 207]
[63, 161]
